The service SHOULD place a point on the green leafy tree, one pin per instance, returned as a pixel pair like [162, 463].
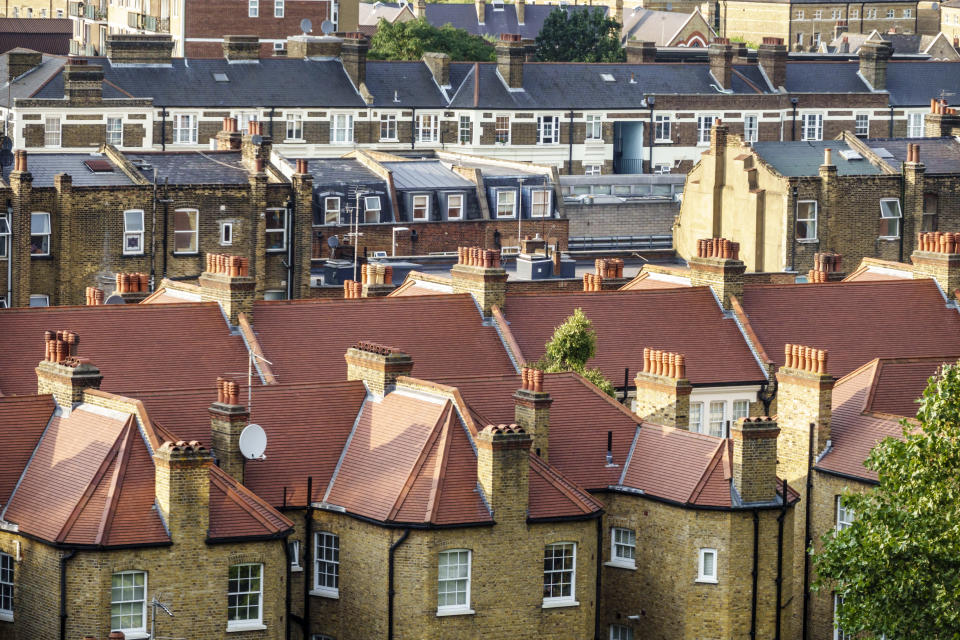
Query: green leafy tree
[586, 35]
[410, 40]
[897, 567]
[572, 345]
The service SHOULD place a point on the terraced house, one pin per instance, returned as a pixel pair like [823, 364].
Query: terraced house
[326, 99]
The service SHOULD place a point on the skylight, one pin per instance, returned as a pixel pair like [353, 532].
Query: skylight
[99, 166]
[607, 77]
[221, 77]
[882, 152]
[850, 154]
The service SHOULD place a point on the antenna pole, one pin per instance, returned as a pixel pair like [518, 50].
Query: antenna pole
[250, 383]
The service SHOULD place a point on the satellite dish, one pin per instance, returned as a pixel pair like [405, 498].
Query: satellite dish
[327, 27]
[253, 442]
[306, 26]
[333, 242]
[115, 299]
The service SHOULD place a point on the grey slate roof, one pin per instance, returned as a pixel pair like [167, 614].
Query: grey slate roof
[190, 83]
[45, 166]
[192, 167]
[28, 83]
[938, 155]
[915, 83]
[327, 171]
[797, 159]
[820, 77]
[654, 26]
[425, 174]
[411, 82]
[464, 16]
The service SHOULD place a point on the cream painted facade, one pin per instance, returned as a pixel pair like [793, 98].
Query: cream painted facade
[35, 8]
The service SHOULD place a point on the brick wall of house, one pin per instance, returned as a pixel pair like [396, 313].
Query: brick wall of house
[633, 218]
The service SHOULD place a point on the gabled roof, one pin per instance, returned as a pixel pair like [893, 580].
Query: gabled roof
[684, 320]
[410, 83]
[22, 421]
[872, 269]
[939, 155]
[445, 334]
[854, 321]
[658, 279]
[661, 27]
[135, 346]
[237, 512]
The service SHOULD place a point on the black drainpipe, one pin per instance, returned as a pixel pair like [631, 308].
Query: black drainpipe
[626, 386]
[63, 592]
[793, 242]
[413, 128]
[650, 137]
[166, 222]
[903, 207]
[756, 559]
[307, 566]
[793, 124]
[272, 109]
[163, 128]
[890, 125]
[596, 602]
[291, 241]
[286, 598]
[806, 533]
[570, 146]
[391, 590]
[780, 522]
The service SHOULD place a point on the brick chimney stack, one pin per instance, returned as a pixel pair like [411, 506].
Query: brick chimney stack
[772, 55]
[479, 273]
[314, 47]
[377, 280]
[755, 458]
[439, 65]
[229, 138]
[63, 373]
[142, 49]
[377, 365]
[718, 265]
[804, 401]
[720, 53]
[510, 54]
[420, 9]
[19, 61]
[874, 55]
[532, 410]
[826, 268]
[228, 417]
[521, 8]
[663, 390]
[641, 52]
[937, 256]
[503, 470]
[942, 121]
[481, 7]
[182, 487]
[82, 82]
[353, 54]
[255, 147]
[241, 48]
[227, 281]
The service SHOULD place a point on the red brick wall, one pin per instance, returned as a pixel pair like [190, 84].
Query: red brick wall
[216, 18]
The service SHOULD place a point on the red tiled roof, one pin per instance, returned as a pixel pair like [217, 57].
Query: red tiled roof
[236, 512]
[306, 340]
[865, 274]
[22, 421]
[854, 321]
[684, 320]
[413, 288]
[644, 281]
[37, 25]
[553, 496]
[135, 346]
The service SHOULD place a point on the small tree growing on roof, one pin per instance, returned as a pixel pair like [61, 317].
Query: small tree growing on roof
[583, 35]
[896, 568]
[573, 343]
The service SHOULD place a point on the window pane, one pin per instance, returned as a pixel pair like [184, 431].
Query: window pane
[133, 220]
[717, 410]
[39, 223]
[185, 220]
[696, 416]
[6, 583]
[558, 570]
[741, 409]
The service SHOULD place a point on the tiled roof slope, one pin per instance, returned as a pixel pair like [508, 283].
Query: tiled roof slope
[135, 346]
[899, 383]
[854, 321]
[684, 320]
[22, 421]
[306, 340]
[650, 280]
[237, 512]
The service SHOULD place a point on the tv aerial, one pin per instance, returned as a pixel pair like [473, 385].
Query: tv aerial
[327, 27]
[306, 25]
[253, 442]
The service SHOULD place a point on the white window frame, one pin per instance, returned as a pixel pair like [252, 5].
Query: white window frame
[422, 197]
[47, 233]
[390, 120]
[915, 124]
[592, 169]
[703, 129]
[341, 128]
[561, 600]
[458, 207]
[908, 13]
[818, 14]
[253, 8]
[739, 409]
[854, 13]
[242, 624]
[42, 300]
[702, 575]
[663, 126]
[327, 210]
[129, 233]
[195, 232]
[717, 427]
[898, 217]
[428, 127]
[185, 128]
[226, 234]
[549, 124]
[751, 127]
[293, 547]
[378, 207]
[275, 230]
[6, 579]
[815, 220]
[800, 14]
[620, 632]
[864, 119]
[455, 609]
[501, 136]
[278, 8]
[623, 539]
[328, 566]
[464, 129]
[115, 136]
[142, 629]
[4, 236]
[543, 207]
[594, 131]
[891, 14]
[335, 14]
[845, 515]
[696, 425]
[513, 203]
[52, 132]
[811, 126]
[279, 46]
[838, 633]
[294, 127]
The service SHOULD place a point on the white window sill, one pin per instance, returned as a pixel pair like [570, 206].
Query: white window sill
[513, 217]
[293, 140]
[6, 616]
[808, 240]
[459, 611]
[245, 626]
[326, 593]
[296, 569]
[596, 141]
[706, 581]
[135, 635]
[389, 140]
[890, 238]
[555, 603]
[621, 564]
[134, 253]
[662, 141]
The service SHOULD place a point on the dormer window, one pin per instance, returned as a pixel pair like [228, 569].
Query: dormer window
[497, 5]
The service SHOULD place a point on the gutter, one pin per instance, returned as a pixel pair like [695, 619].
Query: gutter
[307, 559]
[63, 592]
[806, 533]
[781, 519]
[390, 574]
